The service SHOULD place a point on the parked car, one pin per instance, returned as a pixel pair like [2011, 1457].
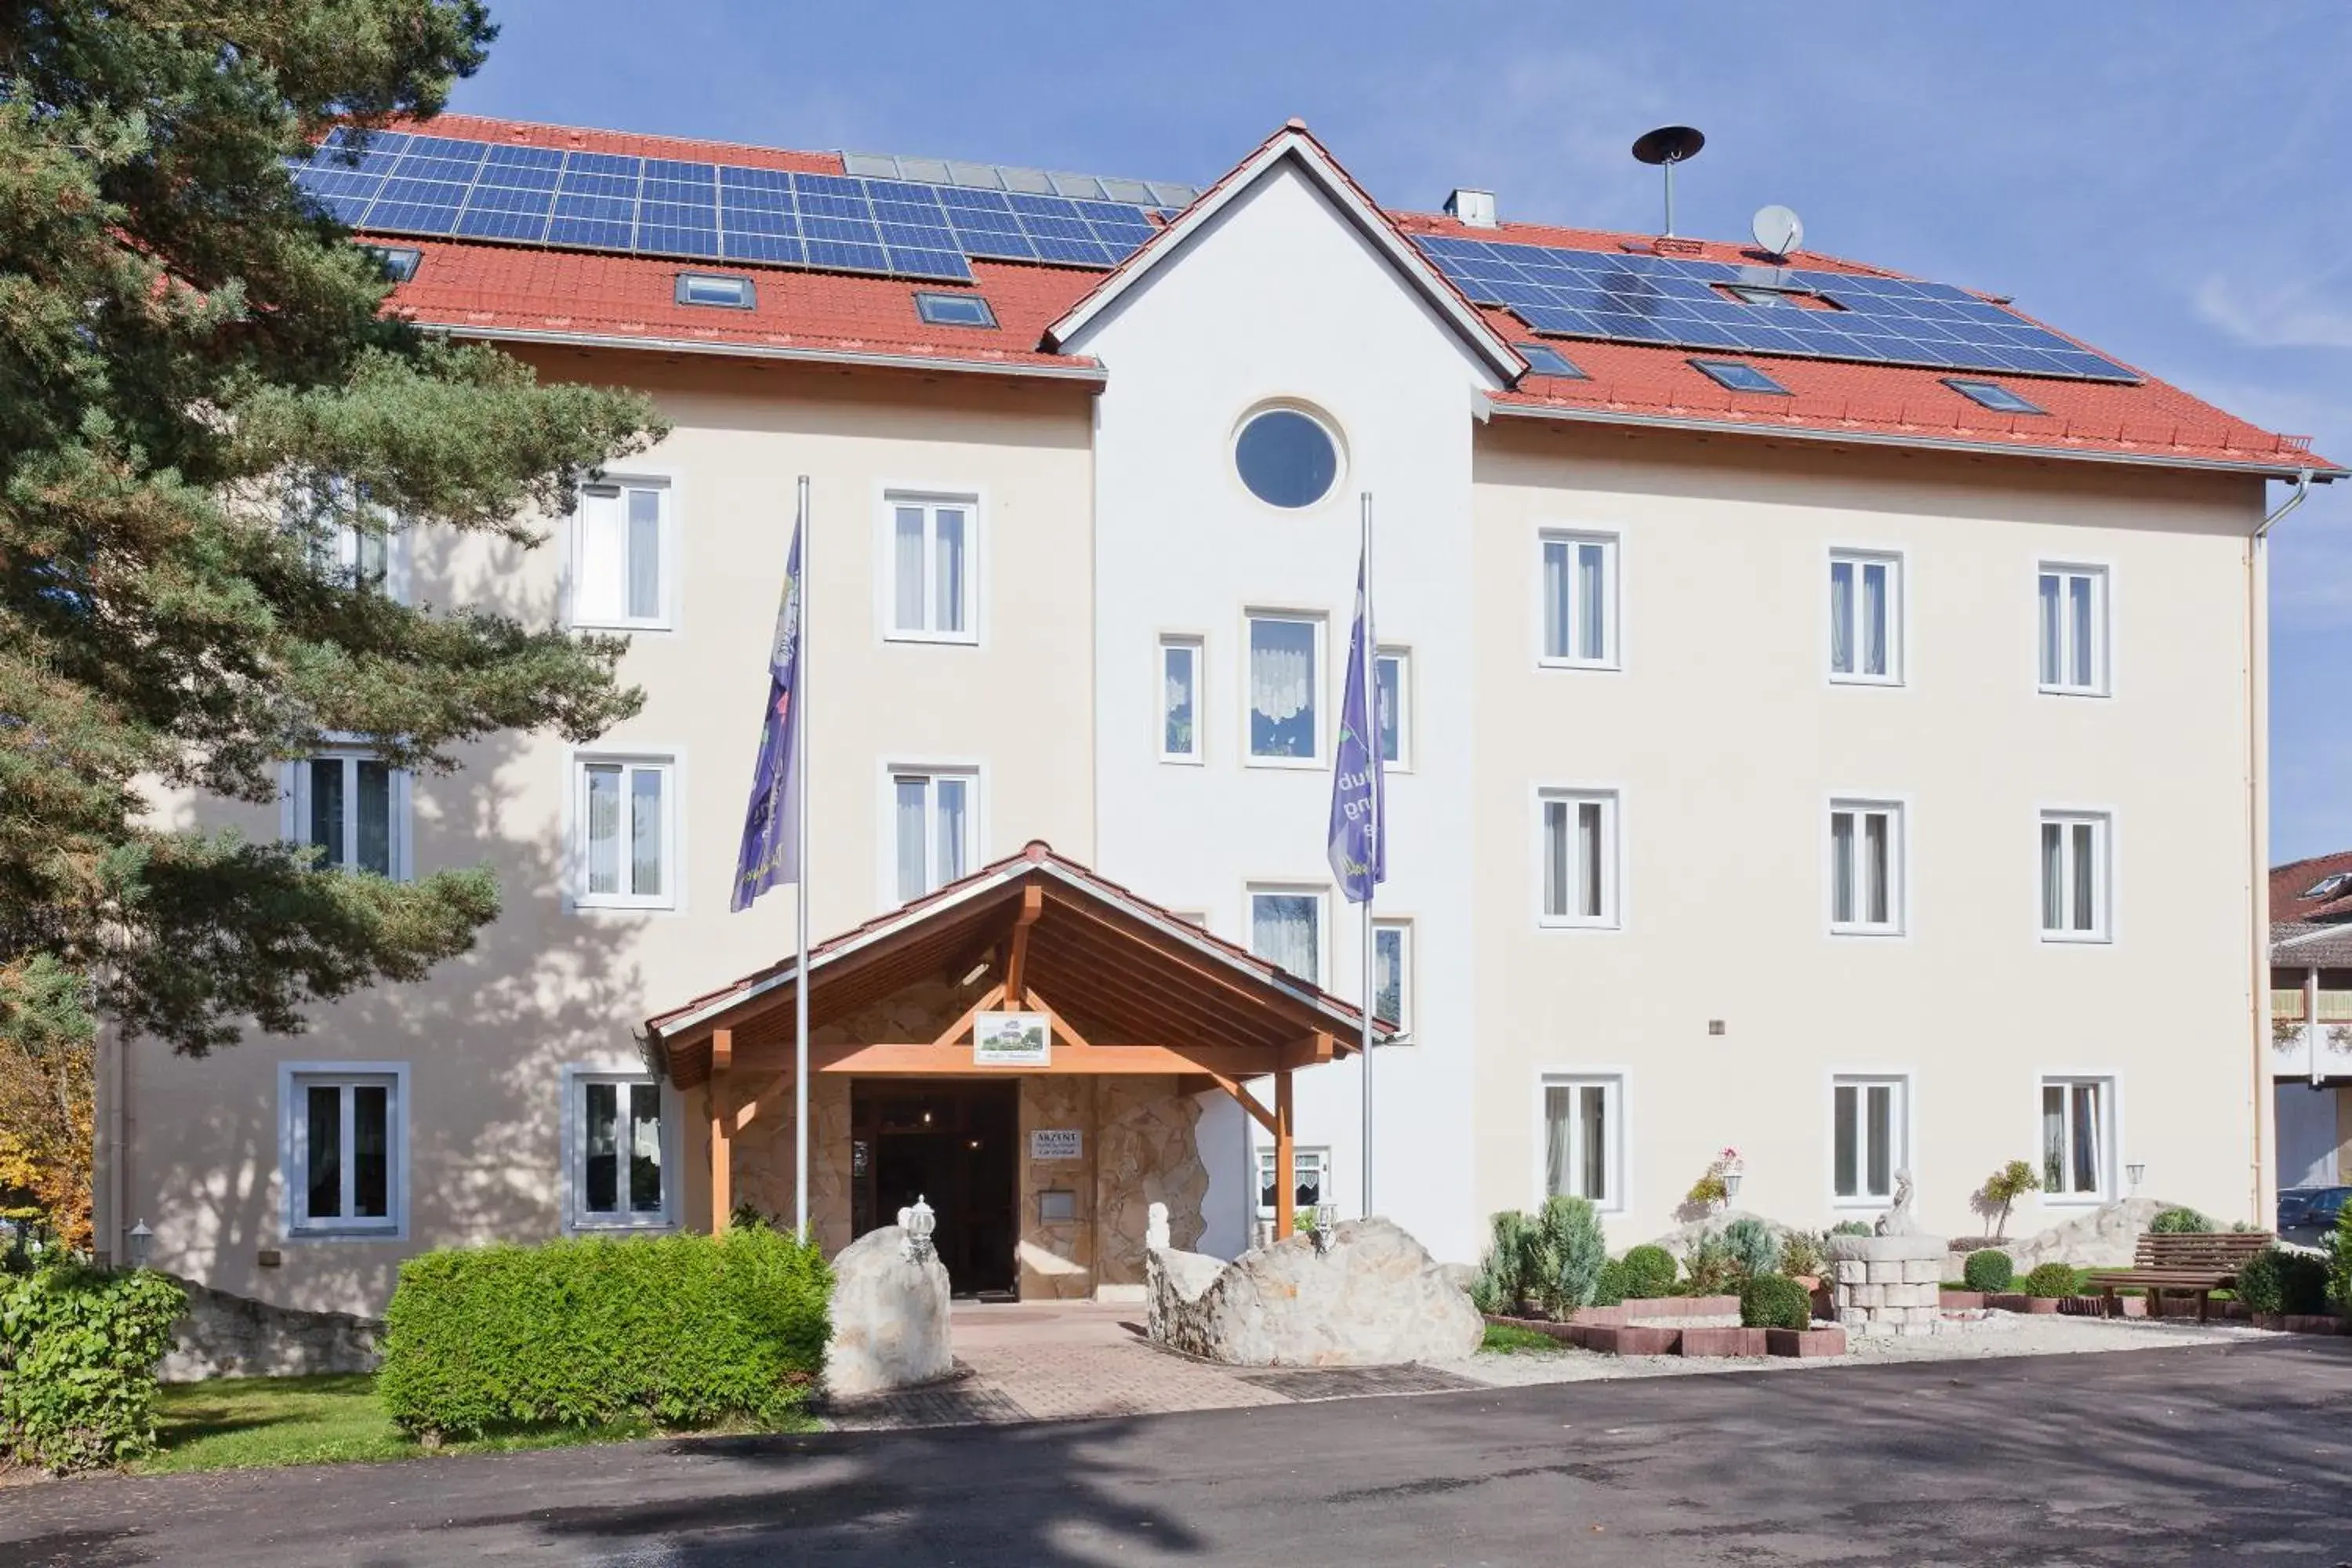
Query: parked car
[2307, 1215]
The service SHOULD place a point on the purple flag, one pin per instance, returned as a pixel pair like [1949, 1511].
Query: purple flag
[1359, 818]
[771, 852]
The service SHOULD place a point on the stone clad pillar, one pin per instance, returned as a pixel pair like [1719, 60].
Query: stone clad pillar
[1887, 1284]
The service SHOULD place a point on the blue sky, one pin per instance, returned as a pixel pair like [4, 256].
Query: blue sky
[2172, 181]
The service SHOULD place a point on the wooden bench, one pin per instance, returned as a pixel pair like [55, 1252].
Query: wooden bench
[2196, 1263]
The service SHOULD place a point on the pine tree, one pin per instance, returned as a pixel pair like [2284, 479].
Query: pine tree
[199, 388]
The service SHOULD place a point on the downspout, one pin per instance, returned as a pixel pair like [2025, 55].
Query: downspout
[2257, 817]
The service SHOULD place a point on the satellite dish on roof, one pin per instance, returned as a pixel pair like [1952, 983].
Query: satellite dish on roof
[1667, 146]
[1777, 230]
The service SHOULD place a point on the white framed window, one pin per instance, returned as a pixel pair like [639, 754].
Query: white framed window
[1580, 855]
[343, 1149]
[2072, 602]
[1286, 929]
[621, 1171]
[1866, 856]
[622, 554]
[626, 812]
[1285, 671]
[1869, 1141]
[1310, 1171]
[934, 822]
[1393, 991]
[2076, 876]
[1865, 617]
[372, 555]
[1179, 700]
[1392, 705]
[934, 548]
[1580, 600]
[2077, 1138]
[1584, 1153]
[354, 807]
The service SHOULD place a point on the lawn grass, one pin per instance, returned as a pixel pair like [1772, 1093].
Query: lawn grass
[1508, 1339]
[240, 1423]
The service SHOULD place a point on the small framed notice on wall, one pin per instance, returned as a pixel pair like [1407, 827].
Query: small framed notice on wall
[1058, 1143]
[1012, 1040]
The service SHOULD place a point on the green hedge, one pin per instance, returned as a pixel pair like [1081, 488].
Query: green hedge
[1775, 1301]
[2277, 1280]
[2052, 1280]
[1649, 1272]
[1987, 1270]
[684, 1331]
[77, 1352]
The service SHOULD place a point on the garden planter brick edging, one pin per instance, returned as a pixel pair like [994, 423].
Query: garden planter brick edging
[2299, 1322]
[1961, 1301]
[1723, 1342]
[1633, 1339]
[1805, 1344]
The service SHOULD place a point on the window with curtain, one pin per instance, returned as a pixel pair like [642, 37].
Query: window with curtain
[1579, 858]
[1283, 682]
[931, 823]
[1865, 617]
[344, 1138]
[1179, 700]
[1310, 1171]
[2074, 877]
[1866, 868]
[621, 572]
[354, 809]
[618, 1170]
[1868, 1126]
[1580, 1139]
[1579, 599]
[1287, 930]
[930, 570]
[2075, 1137]
[1391, 971]
[628, 816]
[352, 538]
[2074, 621]
[1391, 669]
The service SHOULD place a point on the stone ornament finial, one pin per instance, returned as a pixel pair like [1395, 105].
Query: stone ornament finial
[1155, 1227]
[1898, 1220]
[919, 1222]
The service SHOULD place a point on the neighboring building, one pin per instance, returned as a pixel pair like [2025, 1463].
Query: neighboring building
[1825, 716]
[2311, 1014]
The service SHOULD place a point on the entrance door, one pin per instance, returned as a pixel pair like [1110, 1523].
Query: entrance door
[951, 1141]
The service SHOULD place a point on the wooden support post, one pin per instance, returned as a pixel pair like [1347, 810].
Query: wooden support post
[1017, 963]
[1285, 1174]
[723, 1133]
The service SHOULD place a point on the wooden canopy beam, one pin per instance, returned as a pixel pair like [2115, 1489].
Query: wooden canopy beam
[962, 1026]
[1017, 958]
[928, 1059]
[1296, 1009]
[1245, 1100]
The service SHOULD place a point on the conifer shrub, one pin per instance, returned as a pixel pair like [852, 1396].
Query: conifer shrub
[2051, 1281]
[1648, 1272]
[683, 1331]
[1754, 1249]
[78, 1347]
[1774, 1301]
[2179, 1222]
[1989, 1270]
[1574, 1252]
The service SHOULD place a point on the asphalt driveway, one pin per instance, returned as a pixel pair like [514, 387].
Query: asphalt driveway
[2214, 1454]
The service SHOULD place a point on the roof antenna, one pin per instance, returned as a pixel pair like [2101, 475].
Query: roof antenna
[1667, 146]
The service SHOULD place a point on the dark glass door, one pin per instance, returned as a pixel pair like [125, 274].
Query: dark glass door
[951, 1141]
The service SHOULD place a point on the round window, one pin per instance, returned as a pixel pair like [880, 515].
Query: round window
[1286, 458]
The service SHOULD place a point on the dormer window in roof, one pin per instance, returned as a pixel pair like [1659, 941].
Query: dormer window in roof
[1738, 376]
[1992, 395]
[2330, 887]
[954, 309]
[1544, 360]
[399, 261]
[716, 289]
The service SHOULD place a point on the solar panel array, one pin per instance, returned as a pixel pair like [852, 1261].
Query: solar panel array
[1621, 297]
[405, 183]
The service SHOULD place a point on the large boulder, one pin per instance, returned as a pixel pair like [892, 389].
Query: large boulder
[1368, 1295]
[2103, 1239]
[889, 1317]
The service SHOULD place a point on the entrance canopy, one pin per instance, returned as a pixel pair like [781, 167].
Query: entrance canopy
[1125, 987]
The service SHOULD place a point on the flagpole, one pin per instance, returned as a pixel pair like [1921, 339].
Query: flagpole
[1371, 886]
[801, 884]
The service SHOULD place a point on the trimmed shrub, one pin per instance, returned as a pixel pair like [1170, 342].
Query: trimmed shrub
[1649, 1273]
[2339, 1265]
[2050, 1280]
[1774, 1301]
[684, 1331]
[77, 1352]
[1755, 1250]
[2277, 1280]
[1851, 1227]
[1573, 1253]
[1989, 1270]
[1609, 1285]
[2179, 1222]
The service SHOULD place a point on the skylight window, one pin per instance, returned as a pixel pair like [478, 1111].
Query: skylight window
[1993, 395]
[2330, 886]
[710, 288]
[1737, 376]
[1747, 295]
[1544, 360]
[399, 261]
[954, 311]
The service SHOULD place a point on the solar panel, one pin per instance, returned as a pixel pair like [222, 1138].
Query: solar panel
[403, 183]
[1626, 298]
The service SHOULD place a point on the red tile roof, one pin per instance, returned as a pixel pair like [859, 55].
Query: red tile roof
[2291, 881]
[522, 293]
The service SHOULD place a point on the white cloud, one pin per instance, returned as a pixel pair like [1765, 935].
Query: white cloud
[2306, 312]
